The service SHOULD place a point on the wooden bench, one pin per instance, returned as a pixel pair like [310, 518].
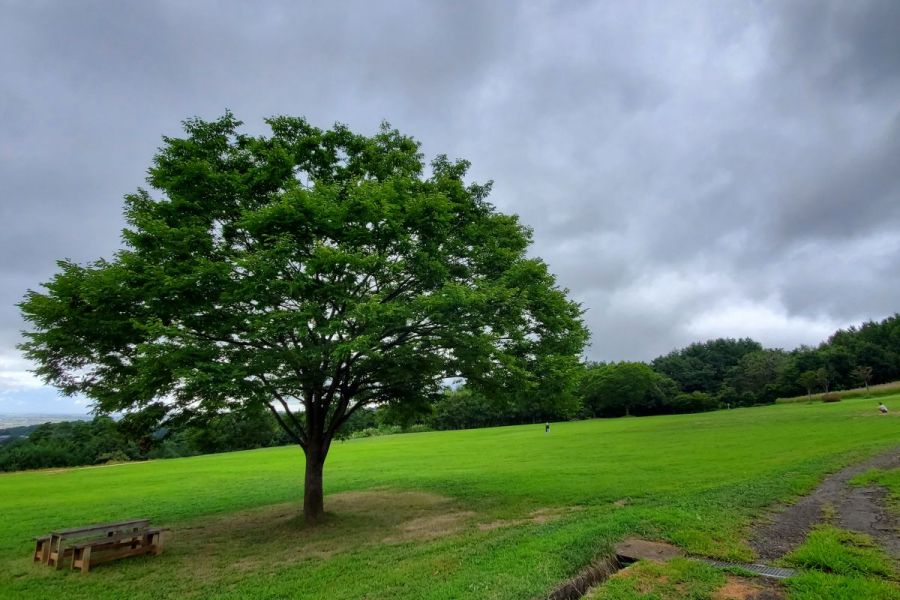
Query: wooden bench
[147, 541]
[59, 546]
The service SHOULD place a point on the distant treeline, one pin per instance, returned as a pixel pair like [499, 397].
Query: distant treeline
[703, 376]
[9, 433]
[105, 440]
[742, 372]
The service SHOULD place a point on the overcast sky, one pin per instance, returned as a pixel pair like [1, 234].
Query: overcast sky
[691, 169]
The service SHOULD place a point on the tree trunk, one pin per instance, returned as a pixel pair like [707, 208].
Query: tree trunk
[313, 496]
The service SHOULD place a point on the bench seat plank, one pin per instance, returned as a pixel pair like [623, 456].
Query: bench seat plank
[75, 531]
[85, 554]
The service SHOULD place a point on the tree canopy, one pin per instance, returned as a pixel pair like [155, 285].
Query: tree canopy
[308, 272]
[625, 388]
[704, 366]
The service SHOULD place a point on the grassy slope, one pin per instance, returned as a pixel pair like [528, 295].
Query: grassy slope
[695, 480]
[874, 392]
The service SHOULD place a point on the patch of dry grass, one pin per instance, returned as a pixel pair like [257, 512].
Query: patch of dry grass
[538, 517]
[251, 540]
[742, 588]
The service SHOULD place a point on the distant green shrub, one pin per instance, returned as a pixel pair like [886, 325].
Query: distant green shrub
[692, 403]
[418, 428]
[375, 431]
[110, 458]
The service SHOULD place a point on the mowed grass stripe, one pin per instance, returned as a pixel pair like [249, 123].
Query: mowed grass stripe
[696, 480]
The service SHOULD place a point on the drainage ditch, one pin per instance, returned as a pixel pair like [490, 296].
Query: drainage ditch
[631, 551]
[594, 574]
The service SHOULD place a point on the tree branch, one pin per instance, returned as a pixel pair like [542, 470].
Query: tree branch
[337, 422]
[401, 287]
[300, 432]
[284, 426]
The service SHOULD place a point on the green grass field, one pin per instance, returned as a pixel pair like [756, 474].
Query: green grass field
[493, 513]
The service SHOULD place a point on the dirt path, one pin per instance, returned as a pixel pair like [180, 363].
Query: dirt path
[860, 509]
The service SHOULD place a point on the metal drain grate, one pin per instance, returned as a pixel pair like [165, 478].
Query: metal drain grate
[762, 570]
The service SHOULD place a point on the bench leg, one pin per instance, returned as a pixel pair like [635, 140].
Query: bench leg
[152, 543]
[85, 560]
[56, 556]
[81, 559]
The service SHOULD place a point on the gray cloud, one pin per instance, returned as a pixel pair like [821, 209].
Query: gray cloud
[691, 169]
[849, 49]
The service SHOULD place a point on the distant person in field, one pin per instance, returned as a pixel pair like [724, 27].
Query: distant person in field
[547, 427]
[882, 408]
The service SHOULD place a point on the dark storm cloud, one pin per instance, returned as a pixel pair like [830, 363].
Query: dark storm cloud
[844, 48]
[855, 197]
[89, 88]
[690, 169]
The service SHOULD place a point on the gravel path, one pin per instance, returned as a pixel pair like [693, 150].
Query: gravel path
[860, 509]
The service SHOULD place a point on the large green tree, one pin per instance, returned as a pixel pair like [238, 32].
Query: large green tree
[625, 388]
[705, 366]
[758, 373]
[307, 272]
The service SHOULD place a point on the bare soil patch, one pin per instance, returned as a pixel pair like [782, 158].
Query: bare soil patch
[860, 509]
[741, 588]
[864, 509]
[633, 549]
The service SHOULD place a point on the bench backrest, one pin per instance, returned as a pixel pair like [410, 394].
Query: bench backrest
[103, 530]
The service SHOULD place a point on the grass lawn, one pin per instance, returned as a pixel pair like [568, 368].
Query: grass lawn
[842, 565]
[492, 513]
